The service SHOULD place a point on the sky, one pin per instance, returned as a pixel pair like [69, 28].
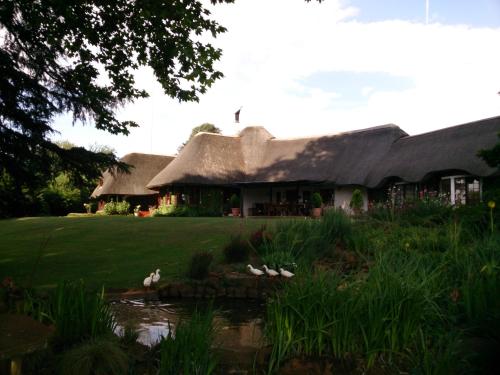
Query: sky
[305, 69]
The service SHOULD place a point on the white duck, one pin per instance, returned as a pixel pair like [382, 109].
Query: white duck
[286, 273]
[255, 271]
[270, 271]
[156, 276]
[148, 280]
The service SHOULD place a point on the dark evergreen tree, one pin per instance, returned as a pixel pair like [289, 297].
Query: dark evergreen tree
[79, 56]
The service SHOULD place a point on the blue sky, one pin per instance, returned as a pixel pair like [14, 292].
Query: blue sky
[469, 12]
[353, 88]
[302, 69]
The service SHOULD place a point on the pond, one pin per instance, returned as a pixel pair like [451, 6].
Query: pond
[238, 323]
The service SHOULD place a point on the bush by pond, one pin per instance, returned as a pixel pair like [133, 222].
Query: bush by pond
[236, 250]
[199, 267]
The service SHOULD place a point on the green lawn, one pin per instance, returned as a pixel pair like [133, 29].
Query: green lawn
[114, 251]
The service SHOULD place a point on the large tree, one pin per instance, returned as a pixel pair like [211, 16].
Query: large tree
[205, 127]
[79, 56]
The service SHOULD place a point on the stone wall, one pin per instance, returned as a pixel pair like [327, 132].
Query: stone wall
[233, 285]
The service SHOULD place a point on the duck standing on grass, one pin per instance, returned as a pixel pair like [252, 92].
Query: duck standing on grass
[270, 271]
[286, 273]
[148, 280]
[255, 271]
[156, 276]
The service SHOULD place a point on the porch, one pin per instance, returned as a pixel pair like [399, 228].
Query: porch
[293, 199]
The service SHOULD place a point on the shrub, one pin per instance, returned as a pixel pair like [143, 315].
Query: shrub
[189, 350]
[200, 265]
[237, 250]
[110, 208]
[316, 200]
[235, 201]
[165, 210]
[96, 357]
[122, 208]
[356, 200]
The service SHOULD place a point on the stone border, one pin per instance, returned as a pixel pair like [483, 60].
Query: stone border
[233, 285]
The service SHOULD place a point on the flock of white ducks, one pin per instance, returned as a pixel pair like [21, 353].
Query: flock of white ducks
[269, 271]
[154, 277]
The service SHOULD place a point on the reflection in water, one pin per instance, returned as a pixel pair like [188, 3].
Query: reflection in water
[238, 323]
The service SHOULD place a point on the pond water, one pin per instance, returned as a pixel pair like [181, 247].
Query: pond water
[238, 323]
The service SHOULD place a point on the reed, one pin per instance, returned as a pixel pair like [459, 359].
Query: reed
[307, 240]
[77, 313]
[188, 351]
[374, 319]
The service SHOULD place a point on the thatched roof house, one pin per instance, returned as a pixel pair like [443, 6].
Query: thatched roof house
[255, 156]
[365, 158]
[143, 168]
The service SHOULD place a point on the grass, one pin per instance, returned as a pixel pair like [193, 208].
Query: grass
[189, 350]
[112, 251]
[429, 291]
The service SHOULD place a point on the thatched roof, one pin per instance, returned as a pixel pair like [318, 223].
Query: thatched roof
[364, 157]
[144, 168]
[345, 158]
[255, 156]
[412, 158]
[206, 159]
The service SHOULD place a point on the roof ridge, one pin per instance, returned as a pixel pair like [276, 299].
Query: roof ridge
[451, 127]
[143, 153]
[378, 127]
[216, 134]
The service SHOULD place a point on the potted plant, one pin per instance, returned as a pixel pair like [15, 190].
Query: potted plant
[88, 207]
[356, 203]
[235, 205]
[137, 209]
[317, 202]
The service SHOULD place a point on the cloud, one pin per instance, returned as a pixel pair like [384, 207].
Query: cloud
[272, 47]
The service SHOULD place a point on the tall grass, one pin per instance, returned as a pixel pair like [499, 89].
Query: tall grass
[428, 291]
[95, 357]
[188, 351]
[306, 240]
[77, 314]
[379, 317]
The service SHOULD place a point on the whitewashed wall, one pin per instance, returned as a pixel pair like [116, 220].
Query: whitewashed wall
[253, 195]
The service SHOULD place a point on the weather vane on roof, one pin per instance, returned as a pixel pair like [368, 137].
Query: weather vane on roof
[237, 116]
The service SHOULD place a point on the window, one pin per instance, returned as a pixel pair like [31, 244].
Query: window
[460, 193]
[473, 190]
[461, 189]
[403, 193]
